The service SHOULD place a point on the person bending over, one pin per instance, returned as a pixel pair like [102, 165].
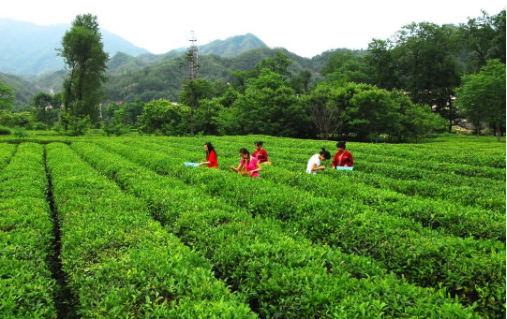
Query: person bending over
[314, 162]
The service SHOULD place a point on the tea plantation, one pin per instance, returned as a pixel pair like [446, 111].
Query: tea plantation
[97, 227]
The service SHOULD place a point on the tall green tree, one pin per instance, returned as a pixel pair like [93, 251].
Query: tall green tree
[424, 55]
[41, 100]
[270, 107]
[6, 97]
[85, 61]
[381, 66]
[483, 38]
[481, 96]
[347, 68]
[194, 91]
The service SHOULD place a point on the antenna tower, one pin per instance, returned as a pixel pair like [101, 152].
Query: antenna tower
[192, 58]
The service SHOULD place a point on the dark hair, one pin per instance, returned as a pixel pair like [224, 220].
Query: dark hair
[258, 143]
[244, 151]
[325, 153]
[210, 148]
[341, 144]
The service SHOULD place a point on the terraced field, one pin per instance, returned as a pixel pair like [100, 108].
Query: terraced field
[98, 227]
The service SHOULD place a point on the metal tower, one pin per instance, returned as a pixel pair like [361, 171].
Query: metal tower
[192, 56]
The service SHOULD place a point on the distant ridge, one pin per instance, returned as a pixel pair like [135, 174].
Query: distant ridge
[28, 48]
[232, 46]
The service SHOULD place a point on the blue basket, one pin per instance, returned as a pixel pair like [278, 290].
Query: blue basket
[191, 164]
[344, 168]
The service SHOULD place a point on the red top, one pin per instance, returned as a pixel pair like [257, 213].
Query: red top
[212, 158]
[261, 155]
[343, 159]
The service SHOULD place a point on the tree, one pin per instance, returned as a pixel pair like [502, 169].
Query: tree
[482, 95]
[6, 96]
[424, 55]
[381, 66]
[484, 38]
[326, 112]
[346, 68]
[85, 61]
[161, 117]
[41, 100]
[373, 113]
[269, 107]
[194, 91]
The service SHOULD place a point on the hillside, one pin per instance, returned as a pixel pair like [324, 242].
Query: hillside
[24, 89]
[232, 46]
[141, 77]
[27, 48]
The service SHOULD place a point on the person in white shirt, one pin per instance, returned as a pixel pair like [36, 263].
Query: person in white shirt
[314, 162]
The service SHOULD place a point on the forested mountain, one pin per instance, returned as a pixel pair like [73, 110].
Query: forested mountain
[232, 46]
[24, 90]
[27, 48]
[144, 78]
[129, 78]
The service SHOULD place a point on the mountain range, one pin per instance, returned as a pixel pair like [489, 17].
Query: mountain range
[29, 63]
[27, 48]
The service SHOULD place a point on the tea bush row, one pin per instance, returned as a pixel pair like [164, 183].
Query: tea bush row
[27, 288]
[282, 275]
[473, 270]
[6, 153]
[454, 219]
[121, 263]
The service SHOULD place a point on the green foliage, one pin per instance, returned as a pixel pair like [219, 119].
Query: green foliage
[73, 125]
[162, 117]
[19, 132]
[124, 264]
[4, 130]
[483, 38]
[344, 67]
[21, 119]
[27, 287]
[481, 96]
[256, 256]
[270, 107]
[84, 56]
[368, 227]
[21, 91]
[6, 96]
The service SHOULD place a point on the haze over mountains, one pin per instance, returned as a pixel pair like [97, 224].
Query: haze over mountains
[27, 48]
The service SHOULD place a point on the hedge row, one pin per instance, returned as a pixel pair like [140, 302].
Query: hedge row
[6, 153]
[473, 270]
[281, 275]
[27, 289]
[120, 263]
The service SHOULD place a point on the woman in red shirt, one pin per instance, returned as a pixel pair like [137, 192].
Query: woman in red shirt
[342, 157]
[211, 156]
[259, 153]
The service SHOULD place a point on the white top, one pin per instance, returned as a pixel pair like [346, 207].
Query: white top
[313, 160]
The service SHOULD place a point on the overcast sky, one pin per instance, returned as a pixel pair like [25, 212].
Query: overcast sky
[306, 28]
